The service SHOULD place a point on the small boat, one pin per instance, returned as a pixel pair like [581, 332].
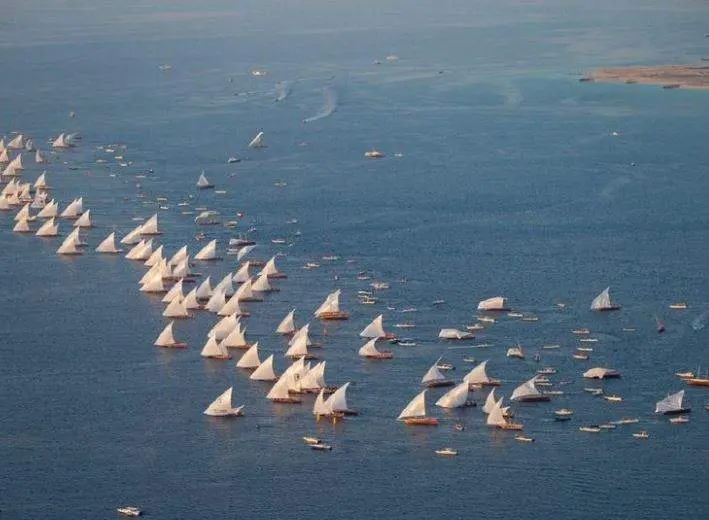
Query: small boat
[515, 352]
[594, 391]
[474, 327]
[580, 355]
[551, 347]
[405, 325]
[589, 340]
[679, 420]
[678, 306]
[685, 375]
[311, 440]
[627, 421]
[454, 334]
[406, 342]
[373, 154]
[590, 429]
[447, 452]
[469, 359]
[232, 160]
[320, 446]
[485, 319]
[546, 371]
[641, 435]
[659, 326]
[697, 381]
[613, 398]
[438, 301]
[414, 413]
[580, 331]
[445, 366]
[584, 349]
[672, 404]
[530, 318]
[203, 183]
[607, 426]
[603, 303]
[524, 438]
[129, 511]
[459, 427]
[563, 414]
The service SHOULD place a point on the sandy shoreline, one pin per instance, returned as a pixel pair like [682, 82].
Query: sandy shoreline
[669, 76]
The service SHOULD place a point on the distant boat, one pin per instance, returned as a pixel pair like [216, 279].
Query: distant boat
[515, 352]
[373, 154]
[563, 414]
[49, 229]
[370, 351]
[496, 418]
[478, 377]
[330, 310]
[257, 142]
[434, 378]
[375, 329]
[496, 303]
[214, 349]
[221, 407]
[62, 142]
[208, 252]
[287, 325]
[528, 392]
[672, 404]
[203, 183]
[129, 511]
[601, 373]
[68, 247]
[415, 412]
[456, 397]
[602, 302]
[678, 306]
[447, 452]
[455, 334]
[166, 339]
[641, 435]
[264, 372]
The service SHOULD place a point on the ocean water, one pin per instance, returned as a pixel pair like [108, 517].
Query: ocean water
[510, 181]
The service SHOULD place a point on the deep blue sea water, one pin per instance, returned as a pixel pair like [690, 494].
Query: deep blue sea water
[510, 182]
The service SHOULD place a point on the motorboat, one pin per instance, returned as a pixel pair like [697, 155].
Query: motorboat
[524, 438]
[311, 440]
[678, 306]
[129, 511]
[590, 429]
[447, 452]
[613, 398]
[681, 419]
[563, 414]
[321, 446]
[641, 435]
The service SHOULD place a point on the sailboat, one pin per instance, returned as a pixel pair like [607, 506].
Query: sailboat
[337, 402]
[22, 226]
[154, 285]
[61, 142]
[369, 350]
[208, 252]
[528, 392]
[433, 377]
[496, 418]
[237, 338]
[221, 407]
[602, 302]
[213, 349]
[415, 412]
[179, 256]
[49, 229]
[262, 285]
[39, 158]
[257, 142]
[264, 372]
[150, 227]
[490, 401]
[330, 308]
[232, 307]
[279, 391]
[515, 352]
[41, 182]
[133, 237]
[496, 303]
[16, 143]
[456, 397]
[24, 214]
[174, 292]
[190, 301]
[203, 183]
[224, 327]
[246, 294]
[250, 358]
[376, 329]
[672, 404]
[204, 291]
[84, 221]
[176, 309]
[314, 380]
[166, 339]
[287, 325]
[477, 377]
[73, 210]
[299, 348]
[271, 270]
[68, 247]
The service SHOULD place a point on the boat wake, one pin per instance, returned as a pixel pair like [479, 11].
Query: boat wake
[283, 89]
[700, 321]
[331, 100]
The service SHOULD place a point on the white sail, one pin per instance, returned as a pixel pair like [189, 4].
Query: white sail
[331, 304]
[73, 210]
[280, 389]
[151, 273]
[671, 403]
[4, 156]
[132, 238]
[208, 252]
[477, 375]
[375, 329]
[84, 220]
[320, 407]
[287, 325]
[204, 291]
[222, 406]
[68, 247]
[303, 331]
[190, 301]
[416, 408]
[41, 181]
[525, 390]
[225, 285]
[40, 200]
[176, 309]
[23, 214]
[75, 235]
[337, 402]
[496, 303]
[4, 204]
[236, 338]
[179, 256]
[16, 163]
[16, 143]
[245, 293]
[154, 285]
[166, 338]
[602, 301]
[489, 401]
[257, 142]
[264, 372]
[49, 229]
[433, 374]
[314, 378]
[496, 416]
[224, 327]
[22, 226]
[182, 270]
[174, 292]
[242, 275]
[250, 358]
[215, 302]
[61, 142]
[261, 284]
[213, 349]
[150, 227]
[454, 398]
[270, 268]
[155, 257]
[39, 158]
[369, 349]
[231, 307]
[29, 145]
[141, 251]
[299, 348]
[244, 251]
[202, 182]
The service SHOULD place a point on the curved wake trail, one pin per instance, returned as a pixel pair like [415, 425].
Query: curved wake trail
[282, 91]
[331, 100]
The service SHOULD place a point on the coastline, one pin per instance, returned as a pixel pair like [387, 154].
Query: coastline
[669, 76]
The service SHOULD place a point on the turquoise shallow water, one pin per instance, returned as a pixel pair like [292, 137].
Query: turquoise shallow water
[510, 182]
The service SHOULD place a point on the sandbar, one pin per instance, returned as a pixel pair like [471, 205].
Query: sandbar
[669, 76]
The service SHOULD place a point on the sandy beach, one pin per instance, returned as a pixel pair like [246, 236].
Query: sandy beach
[669, 76]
